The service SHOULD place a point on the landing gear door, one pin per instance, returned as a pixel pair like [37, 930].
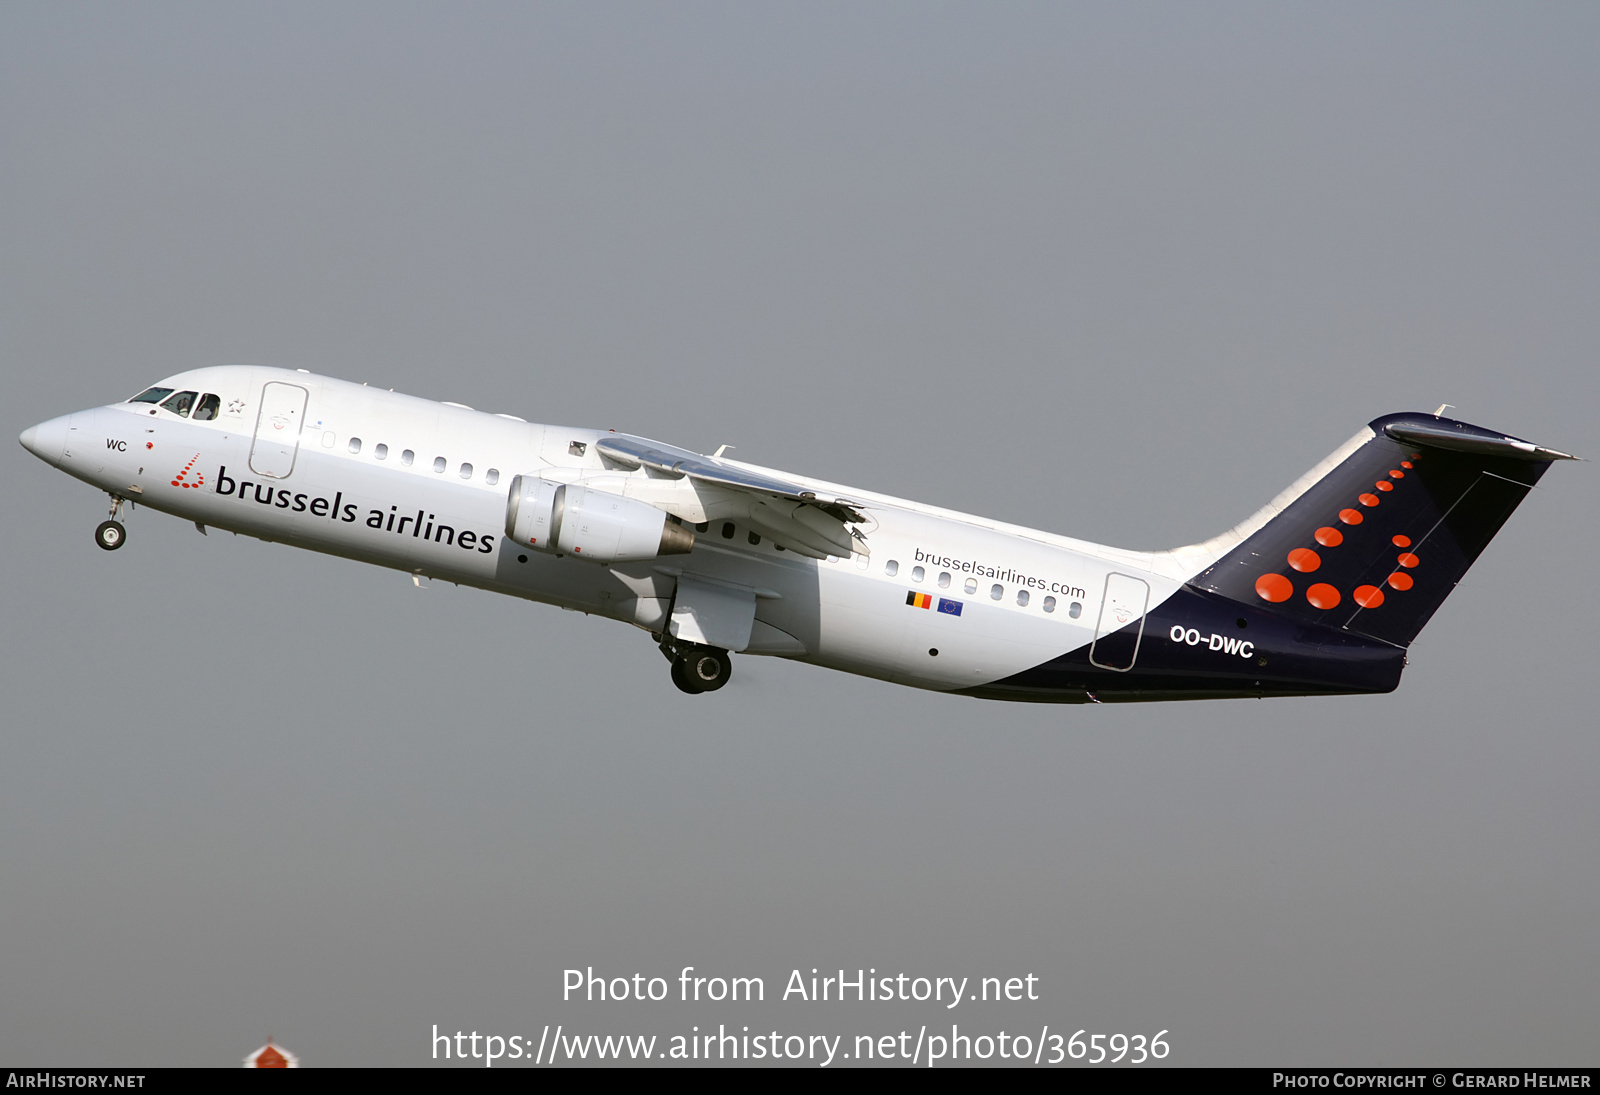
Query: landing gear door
[1115, 644]
[283, 406]
[713, 614]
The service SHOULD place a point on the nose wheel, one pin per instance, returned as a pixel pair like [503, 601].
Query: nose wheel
[701, 669]
[110, 535]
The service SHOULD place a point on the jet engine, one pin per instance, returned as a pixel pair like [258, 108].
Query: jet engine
[590, 523]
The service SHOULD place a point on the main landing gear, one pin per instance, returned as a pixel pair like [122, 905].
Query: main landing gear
[110, 535]
[697, 669]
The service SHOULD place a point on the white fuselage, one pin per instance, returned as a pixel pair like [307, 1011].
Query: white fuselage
[421, 486]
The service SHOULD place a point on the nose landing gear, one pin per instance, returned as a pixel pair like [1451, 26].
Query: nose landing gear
[110, 535]
[697, 669]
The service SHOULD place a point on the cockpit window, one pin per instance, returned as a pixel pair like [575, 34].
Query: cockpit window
[151, 395]
[210, 406]
[181, 403]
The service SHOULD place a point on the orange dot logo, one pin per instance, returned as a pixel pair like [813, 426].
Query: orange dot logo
[1323, 596]
[1368, 499]
[1384, 484]
[1368, 596]
[183, 476]
[1329, 537]
[1408, 560]
[1401, 541]
[1274, 587]
[1405, 464]
[1351, 516]
[1400, 580]
[1304, 560]
[1396, 473]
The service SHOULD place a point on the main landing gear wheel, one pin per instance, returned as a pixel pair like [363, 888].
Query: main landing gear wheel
[701, 670]
[110, 535]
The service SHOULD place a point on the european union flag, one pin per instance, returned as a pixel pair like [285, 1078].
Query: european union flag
[949, 607]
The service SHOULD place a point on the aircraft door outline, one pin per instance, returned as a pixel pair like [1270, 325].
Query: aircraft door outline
[277, 437]
[1125, 600]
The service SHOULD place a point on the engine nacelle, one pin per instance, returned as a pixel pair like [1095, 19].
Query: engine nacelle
[589, 523]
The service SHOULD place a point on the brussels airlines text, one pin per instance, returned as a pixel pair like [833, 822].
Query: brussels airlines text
[420, 526]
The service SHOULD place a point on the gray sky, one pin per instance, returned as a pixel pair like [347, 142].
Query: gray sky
[1118, 271]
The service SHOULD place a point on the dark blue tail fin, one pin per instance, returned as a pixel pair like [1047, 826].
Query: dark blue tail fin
[1378, 543]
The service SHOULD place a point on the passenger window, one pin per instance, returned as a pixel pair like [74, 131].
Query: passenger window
[944, 579]
[492, 476]
[754, 538]
[151, 395]
[466, 471]
[181, 403]
[971, 586]
[892, 567]
[406, 457]
[1074, 610]
[917, 573]
[438, 465]
[703, 526]
[381, 451]
[996, 591]
[727, 530]
[1022, 598]
[355, 444]
[1049, 604]
[210, 406]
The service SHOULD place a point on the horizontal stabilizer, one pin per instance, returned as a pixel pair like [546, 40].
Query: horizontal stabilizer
[1442, 433]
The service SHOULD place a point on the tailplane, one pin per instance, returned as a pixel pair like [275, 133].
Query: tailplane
[1377, 543]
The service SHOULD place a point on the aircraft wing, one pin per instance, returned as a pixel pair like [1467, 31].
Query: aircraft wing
[785, 510]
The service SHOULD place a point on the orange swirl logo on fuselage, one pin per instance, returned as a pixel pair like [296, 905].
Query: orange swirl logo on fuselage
[1278, 587]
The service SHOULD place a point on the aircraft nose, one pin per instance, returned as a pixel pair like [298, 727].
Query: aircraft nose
[47, 440]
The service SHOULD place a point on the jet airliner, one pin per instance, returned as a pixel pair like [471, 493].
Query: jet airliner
[1320, 592]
